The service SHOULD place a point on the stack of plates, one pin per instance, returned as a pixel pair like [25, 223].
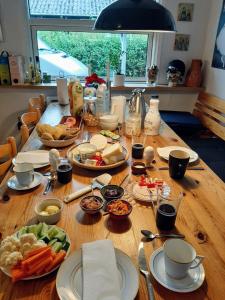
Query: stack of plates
[165, 151]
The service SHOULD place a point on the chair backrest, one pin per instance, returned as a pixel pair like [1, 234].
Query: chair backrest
[37, 102]
[211, 111]
[29, 121]
[7, 152]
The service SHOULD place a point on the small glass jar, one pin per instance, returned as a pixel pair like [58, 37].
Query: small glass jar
[133, 125]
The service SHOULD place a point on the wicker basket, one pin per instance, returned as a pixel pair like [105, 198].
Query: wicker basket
[59, 143]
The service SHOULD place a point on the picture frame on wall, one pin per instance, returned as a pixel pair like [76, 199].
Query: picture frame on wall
[182, 42]
[185, 12]
[218, 60]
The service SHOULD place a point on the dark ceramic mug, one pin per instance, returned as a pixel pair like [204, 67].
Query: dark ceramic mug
[178, 161]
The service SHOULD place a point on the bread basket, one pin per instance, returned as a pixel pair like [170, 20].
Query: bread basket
[59, 143]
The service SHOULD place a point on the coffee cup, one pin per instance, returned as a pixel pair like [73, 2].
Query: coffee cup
[24, 173]
[179, 257]
[178, 161]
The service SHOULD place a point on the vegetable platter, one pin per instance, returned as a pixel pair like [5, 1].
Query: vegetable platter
[34, 251]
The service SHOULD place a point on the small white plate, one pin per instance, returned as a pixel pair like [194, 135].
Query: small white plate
[190, 283]
[165, 151]
[36, 166]
[69, 277]
[13, 183]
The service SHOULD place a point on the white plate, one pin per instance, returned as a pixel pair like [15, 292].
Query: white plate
[13, 183]
[165, 151]
[36, 166]
[143, 194]
[69, 277]
[8, 272]
[190, 283]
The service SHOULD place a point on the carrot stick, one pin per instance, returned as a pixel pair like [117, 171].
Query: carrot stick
[36, 251]
[18, 274]
[30, 262]
[57, 260]
[43, 265]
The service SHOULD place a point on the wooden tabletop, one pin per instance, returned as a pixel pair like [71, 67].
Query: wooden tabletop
[201, 219]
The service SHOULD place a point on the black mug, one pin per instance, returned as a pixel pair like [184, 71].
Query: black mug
[178, 161]
[137, 151]
[64, 172]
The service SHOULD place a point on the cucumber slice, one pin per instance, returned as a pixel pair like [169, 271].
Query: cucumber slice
[52, 242]
[52, 232]
[33, 229]
[60, 236]
[66, 246]
[22, 231]
[57, 246]
[45, 238]
[39, 228]
[44, 230]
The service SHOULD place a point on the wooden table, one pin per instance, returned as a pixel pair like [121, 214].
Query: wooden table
[201, 219]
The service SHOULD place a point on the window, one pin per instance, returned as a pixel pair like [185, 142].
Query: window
[63, 38]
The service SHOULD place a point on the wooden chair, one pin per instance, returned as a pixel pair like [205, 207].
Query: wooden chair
[29, 121]
[7, 152]
[211, 112]
[37, 102]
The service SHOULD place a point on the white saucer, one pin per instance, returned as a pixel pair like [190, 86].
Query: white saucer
[13, 183]
[191, 282]
[165, 151]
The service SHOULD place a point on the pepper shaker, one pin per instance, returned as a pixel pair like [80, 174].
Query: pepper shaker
[148, 156]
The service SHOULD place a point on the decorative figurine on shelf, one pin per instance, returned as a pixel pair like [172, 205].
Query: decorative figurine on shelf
[93, 81]
[175, 72]
[152, 73]
[75, 91]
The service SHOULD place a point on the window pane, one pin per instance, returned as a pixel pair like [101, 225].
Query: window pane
[72, 52]
[137, 46]
[79, 9]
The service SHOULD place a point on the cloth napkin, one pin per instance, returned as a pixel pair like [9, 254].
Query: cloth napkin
[100, 273]
[32, 157]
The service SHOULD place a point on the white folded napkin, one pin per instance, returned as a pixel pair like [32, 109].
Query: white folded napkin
[100, 273]
[32, 157]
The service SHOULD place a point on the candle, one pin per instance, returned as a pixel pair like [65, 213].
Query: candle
[89, 70]
[108, 71]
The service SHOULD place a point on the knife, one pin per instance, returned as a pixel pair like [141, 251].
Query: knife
[144, 270]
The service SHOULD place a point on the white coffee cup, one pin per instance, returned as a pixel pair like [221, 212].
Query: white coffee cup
[179, 257]
[24, 173]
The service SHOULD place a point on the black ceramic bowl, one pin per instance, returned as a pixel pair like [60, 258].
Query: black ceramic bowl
[112, 192]
[86, 206]
[114, 209]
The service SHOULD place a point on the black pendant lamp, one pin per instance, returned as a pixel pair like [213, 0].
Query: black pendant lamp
[135, 15]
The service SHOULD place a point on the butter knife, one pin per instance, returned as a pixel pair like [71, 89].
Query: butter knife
[144, 270]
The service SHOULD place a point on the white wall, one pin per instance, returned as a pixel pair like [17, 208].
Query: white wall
[196, 29]
[214, 78]
[14, 23]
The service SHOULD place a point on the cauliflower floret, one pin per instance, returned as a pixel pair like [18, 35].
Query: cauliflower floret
[3, 257]
[11, 240]
[25, 247]
[13, 258]
[28, 238]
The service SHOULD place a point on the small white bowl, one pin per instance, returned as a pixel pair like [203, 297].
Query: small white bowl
[108, 126]
[50, 219]
[109, 118]
[86, 151]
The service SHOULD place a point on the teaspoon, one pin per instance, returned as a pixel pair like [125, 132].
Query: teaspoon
[151, 236]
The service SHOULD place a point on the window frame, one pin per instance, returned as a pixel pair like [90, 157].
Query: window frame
[80, 25]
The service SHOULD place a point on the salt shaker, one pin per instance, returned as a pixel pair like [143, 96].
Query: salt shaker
[54, 159]
[148, 156]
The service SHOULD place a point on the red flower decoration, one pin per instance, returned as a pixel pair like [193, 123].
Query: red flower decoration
[94, 79]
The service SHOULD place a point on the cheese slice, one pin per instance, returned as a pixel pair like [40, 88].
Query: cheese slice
[113, 154]
[99, 141]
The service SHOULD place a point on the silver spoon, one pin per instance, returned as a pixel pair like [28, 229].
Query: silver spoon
[151, 236]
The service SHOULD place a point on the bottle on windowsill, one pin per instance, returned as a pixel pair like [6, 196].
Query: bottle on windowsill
[38, 78]
[31, 77]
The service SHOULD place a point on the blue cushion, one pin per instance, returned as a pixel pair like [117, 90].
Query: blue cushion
[177, 118]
